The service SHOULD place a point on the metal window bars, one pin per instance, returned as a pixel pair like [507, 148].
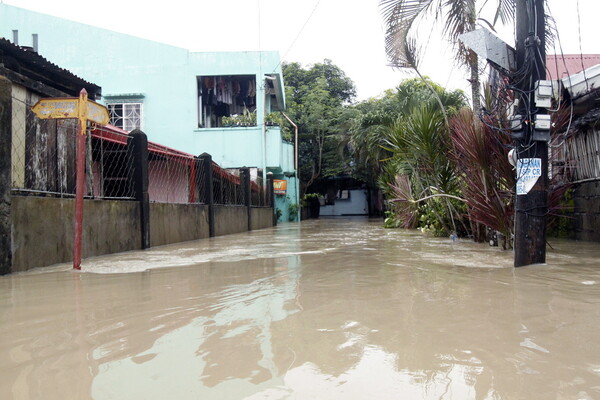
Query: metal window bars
[42, 153]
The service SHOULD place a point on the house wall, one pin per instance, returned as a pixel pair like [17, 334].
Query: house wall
[356, 204]
[164, 75]
[165, 78]
[288, 200]
[587, 211]
[231, 147]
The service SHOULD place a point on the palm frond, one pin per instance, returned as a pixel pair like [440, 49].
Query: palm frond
[399, 17]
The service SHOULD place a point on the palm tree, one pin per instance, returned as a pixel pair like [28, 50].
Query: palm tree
[459, 16]
[405, 137]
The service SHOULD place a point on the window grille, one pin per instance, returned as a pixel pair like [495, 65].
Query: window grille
[127, 116]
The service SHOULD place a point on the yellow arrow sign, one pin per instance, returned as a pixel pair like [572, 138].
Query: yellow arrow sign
[68, 107]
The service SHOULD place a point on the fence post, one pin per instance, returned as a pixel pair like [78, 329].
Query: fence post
[137, 141]
[245, 182]
[5, 175]
[271, 196]
[207, 171]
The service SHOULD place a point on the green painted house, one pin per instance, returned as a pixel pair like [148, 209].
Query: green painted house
[213, 102]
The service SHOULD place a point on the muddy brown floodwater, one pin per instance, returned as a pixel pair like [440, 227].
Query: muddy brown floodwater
[327, 309]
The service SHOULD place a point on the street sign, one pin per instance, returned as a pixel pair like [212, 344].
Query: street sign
[97, 113]
[82, 109]
[56, 108]
[68, 107]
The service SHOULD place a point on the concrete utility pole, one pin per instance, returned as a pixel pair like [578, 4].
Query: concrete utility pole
[531, 140]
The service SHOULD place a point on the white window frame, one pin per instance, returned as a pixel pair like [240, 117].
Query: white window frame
[127, 121]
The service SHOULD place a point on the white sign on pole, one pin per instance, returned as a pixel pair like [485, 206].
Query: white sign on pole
[528, 172]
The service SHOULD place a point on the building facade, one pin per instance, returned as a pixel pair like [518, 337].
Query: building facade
[196, 102]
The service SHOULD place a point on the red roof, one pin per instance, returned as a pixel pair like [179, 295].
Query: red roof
[561, 66]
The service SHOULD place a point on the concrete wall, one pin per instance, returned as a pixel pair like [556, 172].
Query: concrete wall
[230, 219]
[587, 211]
[172, 223]
[42, 229]
[261, 218]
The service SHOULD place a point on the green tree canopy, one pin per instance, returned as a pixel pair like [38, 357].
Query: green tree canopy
[317, 97]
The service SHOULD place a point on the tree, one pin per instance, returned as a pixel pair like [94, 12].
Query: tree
[405, 137]
[317, 98]
[459, 16]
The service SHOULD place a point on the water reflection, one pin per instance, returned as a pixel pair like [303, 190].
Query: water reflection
[331, 309]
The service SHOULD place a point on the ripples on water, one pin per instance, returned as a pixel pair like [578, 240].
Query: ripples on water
[329, 309]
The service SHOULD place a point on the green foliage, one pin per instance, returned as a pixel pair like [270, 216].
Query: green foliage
[293, 212]
[278, 214]
[308, 197]
[390, 221]
[247, 118]
[561, 221]
[318, 98]
[402, 140]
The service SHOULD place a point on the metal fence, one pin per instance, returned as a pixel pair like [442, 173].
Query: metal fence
[258, 192]
[42, 153]
[172, 177]
[44, 156]
[111, 166]
[227, 187]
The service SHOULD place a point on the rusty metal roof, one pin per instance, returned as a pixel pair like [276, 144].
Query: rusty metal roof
[25, 61]
[561, 66]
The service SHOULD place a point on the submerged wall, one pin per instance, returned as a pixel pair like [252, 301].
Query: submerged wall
[233, 219]
[42, 227]
[587, 211]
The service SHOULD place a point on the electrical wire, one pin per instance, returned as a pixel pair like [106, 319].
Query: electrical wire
[566, 133]
[587, 85]
[298, 35]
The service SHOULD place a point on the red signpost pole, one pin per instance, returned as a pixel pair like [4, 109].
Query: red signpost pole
[80, 179]
[82, 110]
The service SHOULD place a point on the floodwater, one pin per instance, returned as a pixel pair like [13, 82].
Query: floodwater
[327, 309]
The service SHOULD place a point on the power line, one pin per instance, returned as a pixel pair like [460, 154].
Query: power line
[580, 49]
[298, 35]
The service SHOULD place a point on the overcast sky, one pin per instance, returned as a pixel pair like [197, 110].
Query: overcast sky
[349, 32]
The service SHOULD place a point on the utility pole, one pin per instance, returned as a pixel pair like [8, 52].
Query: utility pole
[531, 135]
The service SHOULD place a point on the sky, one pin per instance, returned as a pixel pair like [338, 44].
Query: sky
[348, 32]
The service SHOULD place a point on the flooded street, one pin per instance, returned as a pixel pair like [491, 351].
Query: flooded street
[326, 309]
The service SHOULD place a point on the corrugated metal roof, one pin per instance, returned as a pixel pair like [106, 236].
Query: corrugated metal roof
[561, 66]
[27, 62]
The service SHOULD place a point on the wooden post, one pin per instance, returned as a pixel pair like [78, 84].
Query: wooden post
[531, 208]
[245, 182]
[207, 176]
[5, 175]
[137, 141]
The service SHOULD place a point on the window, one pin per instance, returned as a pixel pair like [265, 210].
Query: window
[127, 116]
[228, 100]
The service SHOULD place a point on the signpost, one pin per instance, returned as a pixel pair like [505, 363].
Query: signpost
[82, 109]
